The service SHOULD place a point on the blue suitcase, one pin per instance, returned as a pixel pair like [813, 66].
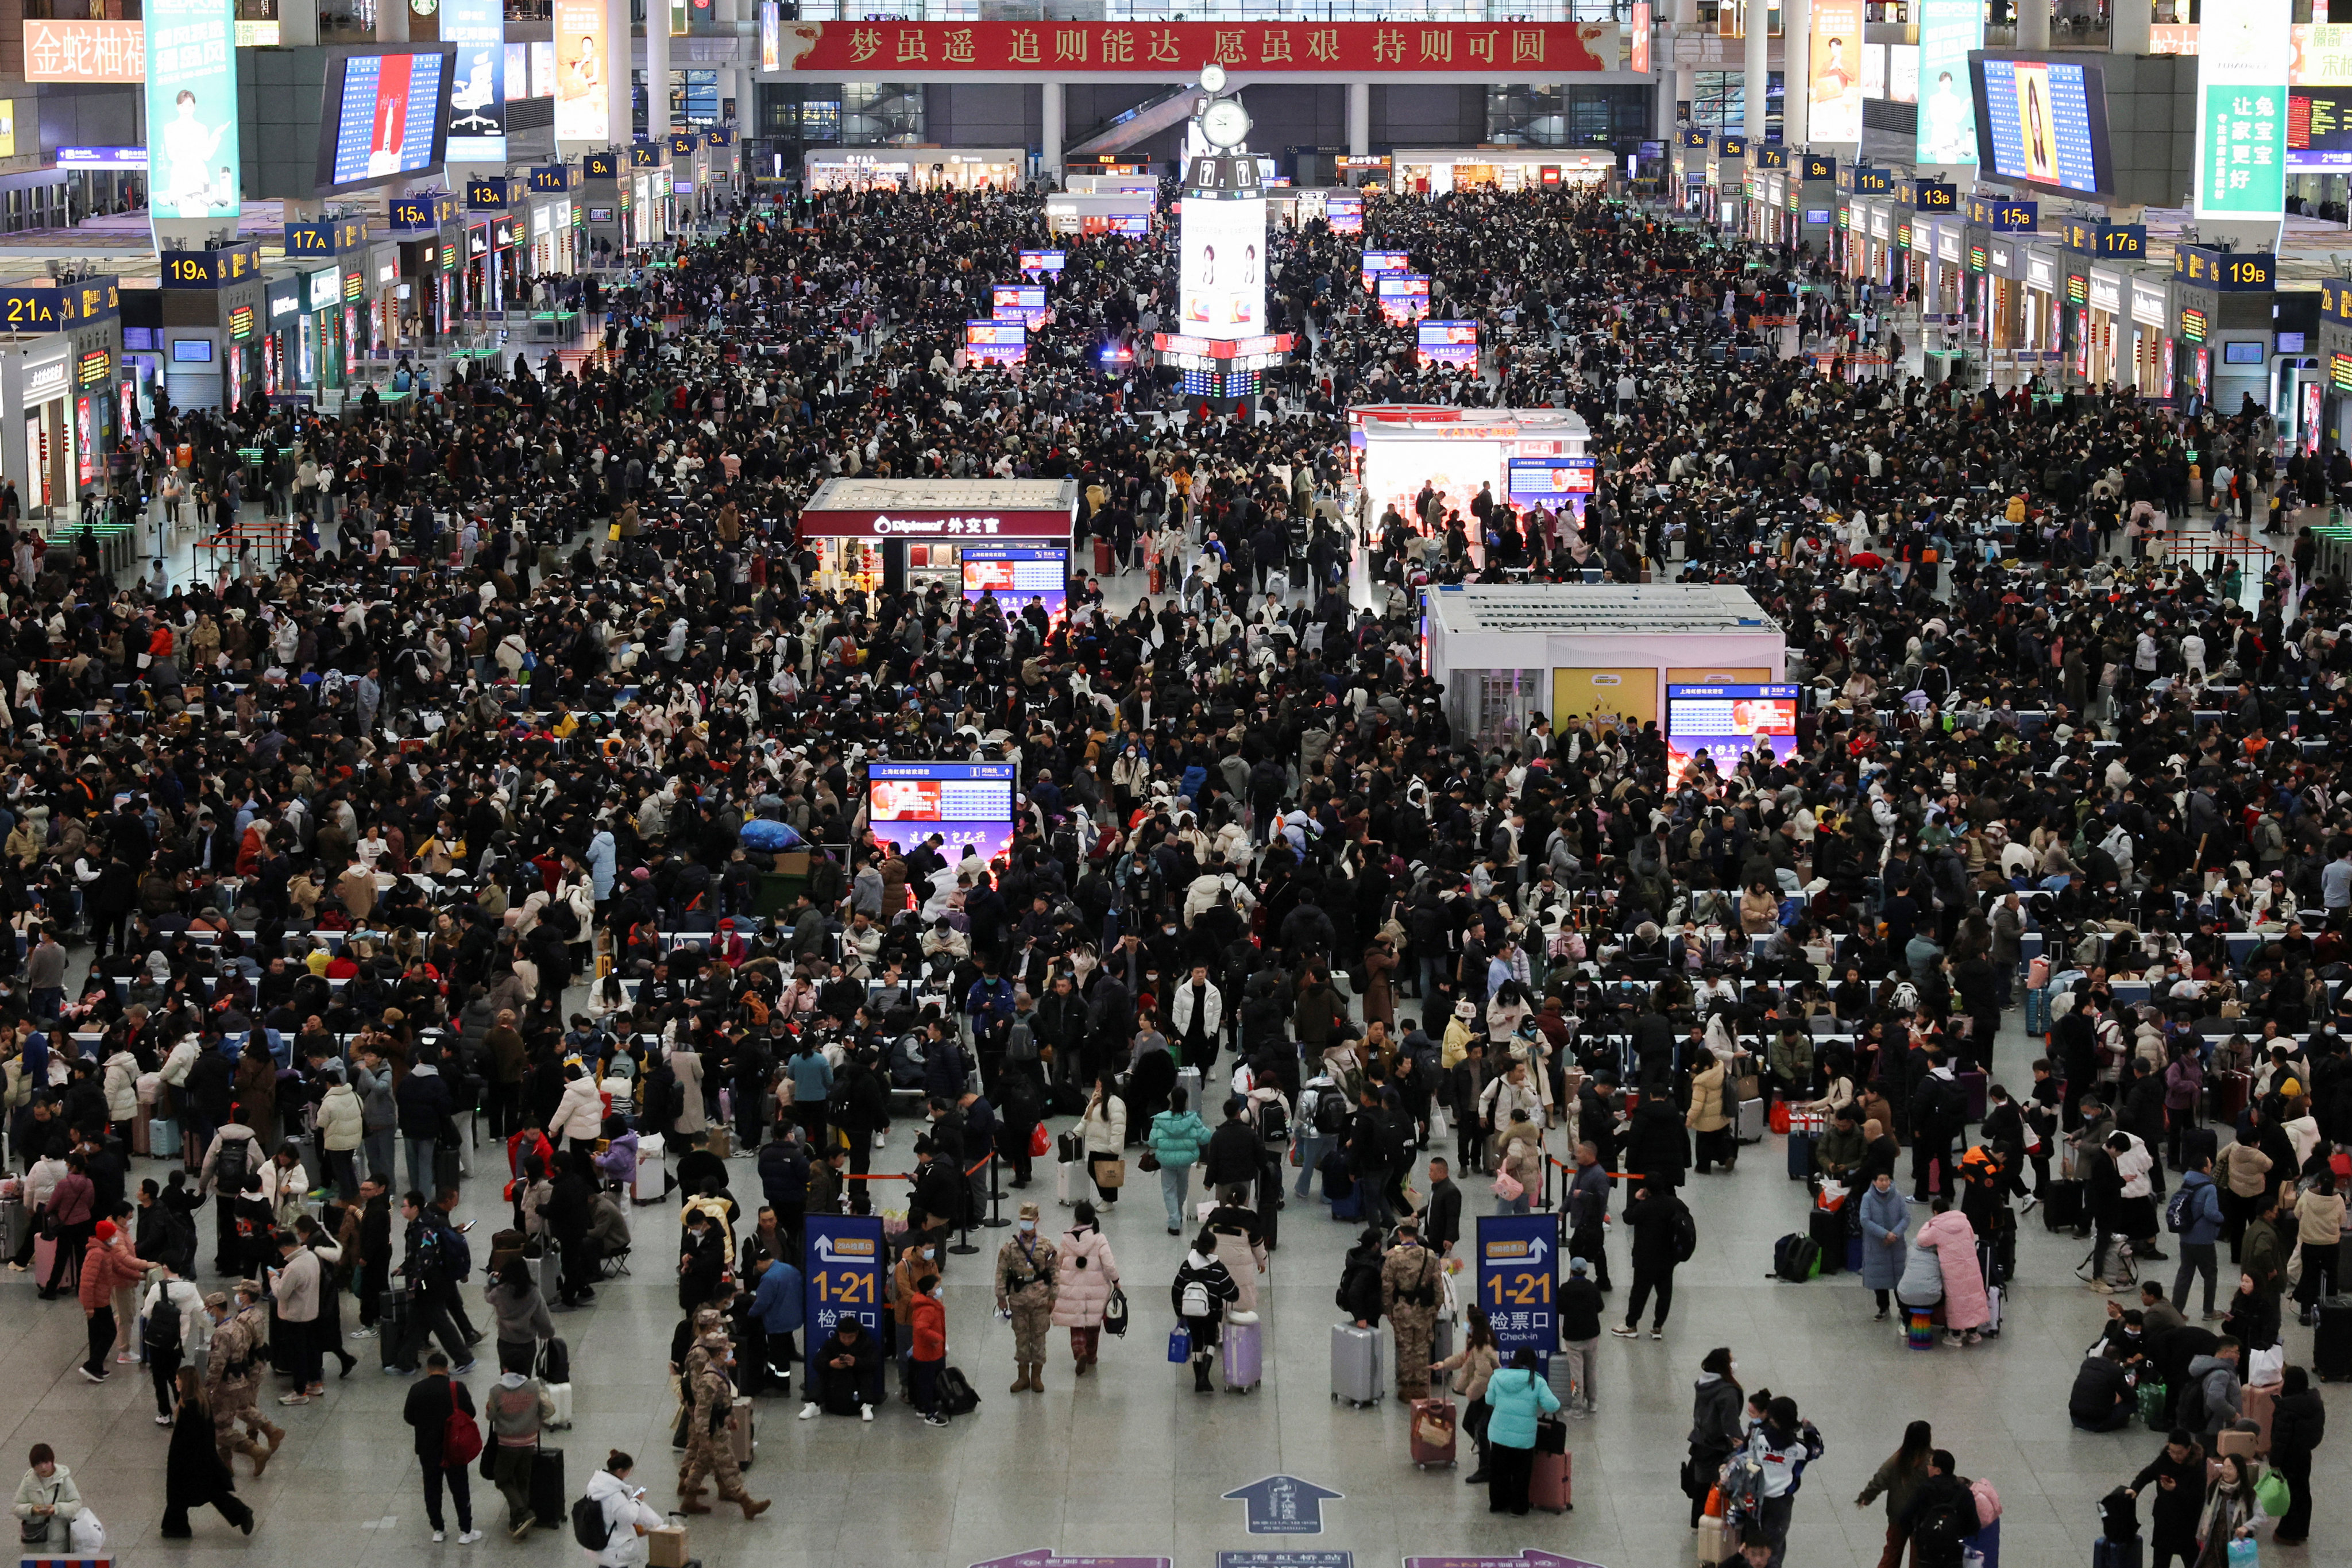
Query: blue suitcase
[1800, 1156]
[2124, 1553]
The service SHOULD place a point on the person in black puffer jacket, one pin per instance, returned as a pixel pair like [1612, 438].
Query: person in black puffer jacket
[2298, 1426]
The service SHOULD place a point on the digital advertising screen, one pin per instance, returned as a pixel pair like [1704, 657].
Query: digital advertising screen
[1378, 262]
[1222, 267]
[1044, 261]
[1550, 482]
[2044, 123]
[1132, 226]
[1948, 30]
[385, 115]
[1455, 341]
[1344, 213]
[1004, 341]
[192, 114]
[1022, 303]
[1727, 723]
[1017, 574]
[964, 803]
[477, 82]
[583, 49]
[1403, 297]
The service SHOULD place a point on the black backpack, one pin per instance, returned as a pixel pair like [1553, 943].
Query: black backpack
[229, 1163]
[163, 1331]
[588, 1526]
[1331, 1114]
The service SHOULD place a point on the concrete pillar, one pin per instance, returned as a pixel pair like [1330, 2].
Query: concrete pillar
[390, 22]
[1759, 43]
[1049, 124]
[297, 21]
[620, 50]
[657, 68]
[1796, 60]
[1685, 79]
[1669, 83]
[1360, 120]
[2033, 24]
[2127, 28]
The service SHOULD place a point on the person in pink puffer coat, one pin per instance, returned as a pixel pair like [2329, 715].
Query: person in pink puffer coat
[1966, 1308]
[1084, 1275]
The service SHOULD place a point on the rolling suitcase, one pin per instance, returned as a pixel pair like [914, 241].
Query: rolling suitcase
[2110, 1553]
[1243, 1357]
[2062, 1204]
[2231, 1092]
[549, 1270]
[652, 1181]
[1189, 1080]
[392, 1328]
[1356, 1364]
[448, 1168]
[550, 1500]
[45, 1260]
[142, 1141]
[13, 1223]
[1751, 1120]
[2259, 1403]
[560, 1392]
[1069, 1181]
[2331, 1342]
[1441, 1339]
[740, 1434]
[1826, 1229]
[1549, 1485]
[1434, 1429]
[1800, 1156]
[164, 1138]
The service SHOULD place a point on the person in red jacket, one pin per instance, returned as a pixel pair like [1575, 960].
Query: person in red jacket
[927, 1316]
[104, 1270]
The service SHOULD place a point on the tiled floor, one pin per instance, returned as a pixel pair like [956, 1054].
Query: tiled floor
[1132, 1462]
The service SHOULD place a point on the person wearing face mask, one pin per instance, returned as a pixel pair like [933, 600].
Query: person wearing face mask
[928, 1314]
[1026, 1265]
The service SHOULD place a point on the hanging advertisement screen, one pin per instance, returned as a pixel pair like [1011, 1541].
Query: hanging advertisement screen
[1836, 71]
[582, 50]
[192, 154]
[477, 81]
[1222, 266]
[2243, 55]
[385, 115]
[1344, 213]
[1727, 723]
[964, 803]
[1948, 29]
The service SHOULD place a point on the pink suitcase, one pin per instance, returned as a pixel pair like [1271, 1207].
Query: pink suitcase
[45, 1260]
[1243, 1357]
[1548, 1487]
[2258, 1403]
[1433, 1427]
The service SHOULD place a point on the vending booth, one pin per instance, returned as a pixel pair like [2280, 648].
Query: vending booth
[976, 537]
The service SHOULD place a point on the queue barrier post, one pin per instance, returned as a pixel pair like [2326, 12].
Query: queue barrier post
[995, 1220]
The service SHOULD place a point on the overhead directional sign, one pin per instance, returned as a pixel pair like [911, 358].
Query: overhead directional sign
[841, 1265]
[1518, 1265]
[1284, 1505]
[1286, 1557]
[1530, 1558]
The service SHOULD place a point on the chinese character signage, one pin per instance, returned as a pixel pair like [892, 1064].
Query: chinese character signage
[477, 93]
[2243, 53]
[859, 49]
[583, 111]
[79, 50]
[1519, 1261]
[192, 156]
[841, 1267]
[1948, 29]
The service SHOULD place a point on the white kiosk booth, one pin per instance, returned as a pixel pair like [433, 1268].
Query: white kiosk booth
[1528, 457]
[1606, 653]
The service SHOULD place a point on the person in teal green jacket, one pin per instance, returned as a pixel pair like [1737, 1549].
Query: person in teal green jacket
[1178, 1136]
[1517, 1396]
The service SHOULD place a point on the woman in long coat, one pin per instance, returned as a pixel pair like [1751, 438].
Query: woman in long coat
[1084, 1275]
[1885, 1218]
[193, 1474]
[1966, 1309]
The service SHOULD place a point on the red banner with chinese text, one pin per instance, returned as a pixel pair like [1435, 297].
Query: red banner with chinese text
[1177, 48]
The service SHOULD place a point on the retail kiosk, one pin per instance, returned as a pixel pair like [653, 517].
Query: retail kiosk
[1606, 653]
[1527, 454]
[1011, 537]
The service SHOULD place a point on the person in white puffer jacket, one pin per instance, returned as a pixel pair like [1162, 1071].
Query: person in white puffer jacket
[342, 1129]
[626, 1516]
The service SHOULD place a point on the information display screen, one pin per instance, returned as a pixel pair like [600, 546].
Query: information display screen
[1220, 263]
[1550, 482]
[1344, 213]
[1018, 573]
[1024, 302]
[1377, 262]
[1456, 341]
[2043, 122]
[1043, 260]
[1403, 297]
[2319, 130]
[964, 803]
[1727, 723]
[387, 115]
[1006, 341]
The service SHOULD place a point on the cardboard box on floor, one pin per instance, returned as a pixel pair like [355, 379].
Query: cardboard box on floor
[666, 1545]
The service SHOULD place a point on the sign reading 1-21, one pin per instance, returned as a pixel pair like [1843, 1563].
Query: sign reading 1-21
[842, 1258]
[1518, 1263]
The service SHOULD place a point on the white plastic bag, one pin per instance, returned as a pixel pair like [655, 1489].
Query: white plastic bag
[87, 1535]
[2266, 1367]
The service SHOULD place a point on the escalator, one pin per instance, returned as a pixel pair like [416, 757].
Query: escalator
[1146, 120]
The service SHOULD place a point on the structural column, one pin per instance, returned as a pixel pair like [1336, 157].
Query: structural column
[657, 68]
[1796, 73]
[2128, 27]
[620, 48]
[2033, 24]
[1359, 118]
[1049, 125]
[1756, 77]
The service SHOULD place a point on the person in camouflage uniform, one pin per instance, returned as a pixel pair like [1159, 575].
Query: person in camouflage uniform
[1411, 1287]
[232, 1372]
[710, 1413]
[1025, 1283]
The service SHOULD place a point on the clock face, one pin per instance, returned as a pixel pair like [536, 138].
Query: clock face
[1225, 123]
[1213, 78]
